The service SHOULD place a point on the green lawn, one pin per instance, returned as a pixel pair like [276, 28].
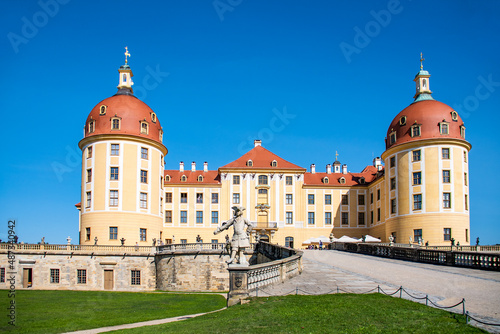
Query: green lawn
[341, 313]
[63, 311]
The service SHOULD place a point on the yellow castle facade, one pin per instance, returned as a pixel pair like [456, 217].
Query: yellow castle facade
[416, 191]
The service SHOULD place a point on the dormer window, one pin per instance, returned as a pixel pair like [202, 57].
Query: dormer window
[326, 180]
[454, 116]
[342, 180]
[161, 135]
[144, 128]
[392, 137]
[91, 126]
[249, 163]
[115, 123]
[102, 110]
[462, 131]
[200, 178]
[183, 178]
[274, 163]
[402, 120]
[167, 178]
[415, 130]
[362, 180]
[444, 128]
[153, 117]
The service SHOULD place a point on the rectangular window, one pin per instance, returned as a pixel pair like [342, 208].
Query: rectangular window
[2, 275]
[142, 234]
[184, 241]
[416, 155]
[89, 199]
[113, 233]
[345, 199]
[466, 235]
[89, 175]
[113, 198]
[310, 199]
[393, 205]
[184, 197]
[89, 152]
[415, 131]
[236, 179]
[417, 202]
[371, 217]
[168, 197]
[135, 277]
[444, 128]
[465, 156]
[378, 214]
[417, 178]
[345, 218]
[445, 153]
[361, 218]
[289, 217]
[392, 161]
[54, 275]
[87, 233]
[466, 202]
[417, 235]
[144, 200]
[215, 198]
[116, 124]
[199, 217]
[378, 194]
[288, 180]
[310, 218]
[393, 183]
[115, 149]
[446, 176]
[328, 218]
[262, 179]
[144, 153]
[236, 198]
[215, 217]
[199, 198]
[371, 198]
[113, 173]
[184, 216]
[168, 216]
[289, 199]
[447, 234]
[447, 200]
[361, 199]
[144, 176]
[328, 199]
[465, 179]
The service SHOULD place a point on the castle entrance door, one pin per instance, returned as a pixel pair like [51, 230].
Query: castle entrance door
[27, 277]
[108, 280]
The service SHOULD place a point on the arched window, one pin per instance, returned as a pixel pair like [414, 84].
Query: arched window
[250, 163]
[392, 137]
[362, 180]
[454, 116]
[183, 178]
[326, 180]
[262, 179]
[167, 178]
[124, 78]
[144, 128]
[274, 163]
[200, 178]
[91, 126]
[102, 111]
[153, 117]
[342, 180]
[425, 83]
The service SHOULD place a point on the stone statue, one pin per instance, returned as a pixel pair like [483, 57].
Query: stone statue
[391, 240]
[95, 241]
[122, 240]
[241, 239]
[43, 241]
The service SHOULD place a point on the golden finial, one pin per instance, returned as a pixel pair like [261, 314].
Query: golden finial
[127, 54]
[336, 155]
[421, 61]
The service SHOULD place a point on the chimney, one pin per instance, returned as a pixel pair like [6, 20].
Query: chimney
[205, 166]
[344, 169]
[328, 169]
[257, 142]
[181, 167]
[313, 168]
[193, 166]
[377, 163]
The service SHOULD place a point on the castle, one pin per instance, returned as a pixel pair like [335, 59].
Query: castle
[417, 190]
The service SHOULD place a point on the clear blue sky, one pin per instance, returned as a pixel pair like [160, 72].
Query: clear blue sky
[343, 69]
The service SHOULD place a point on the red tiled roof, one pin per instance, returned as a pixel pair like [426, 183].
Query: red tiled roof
[78, 205]
[351, 179]
[262, 159]
[210, 177]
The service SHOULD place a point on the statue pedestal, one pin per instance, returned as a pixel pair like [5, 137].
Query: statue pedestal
[238, 284]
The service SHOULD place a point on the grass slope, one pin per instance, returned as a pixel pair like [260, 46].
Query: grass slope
[341, 313]
[63, 311]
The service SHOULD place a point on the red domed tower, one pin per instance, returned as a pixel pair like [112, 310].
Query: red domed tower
[426, 172]
[122, 170]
